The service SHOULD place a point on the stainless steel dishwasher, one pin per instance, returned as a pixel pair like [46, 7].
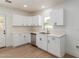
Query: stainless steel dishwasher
[33, 39]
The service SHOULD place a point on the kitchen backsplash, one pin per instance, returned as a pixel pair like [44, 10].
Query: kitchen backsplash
[21, 29]
[56, 29]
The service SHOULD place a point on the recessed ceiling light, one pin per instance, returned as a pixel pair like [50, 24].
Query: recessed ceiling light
[43, 6]
[25, 5]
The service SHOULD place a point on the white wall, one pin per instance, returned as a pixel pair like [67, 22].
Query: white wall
[8, 14]
[72, 26]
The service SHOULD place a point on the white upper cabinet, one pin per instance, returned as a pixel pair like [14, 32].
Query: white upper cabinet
[36, 20]
[17, 20]
[27, 21]
[60, 17]
[57, 16]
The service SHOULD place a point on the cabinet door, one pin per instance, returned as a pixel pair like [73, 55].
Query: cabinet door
[42, 42]
[21, 37]
[54, 46]
[57, 16]
[27, 21]
[38, 40]
[27, 38]
[18, 39]
[60, 17]
[17, 20]
[37, 20]
[40, 20]
[53, 16]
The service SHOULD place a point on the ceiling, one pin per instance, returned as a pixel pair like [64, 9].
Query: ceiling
[32, 5]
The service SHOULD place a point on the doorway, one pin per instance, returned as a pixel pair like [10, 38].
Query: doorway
[2, 31]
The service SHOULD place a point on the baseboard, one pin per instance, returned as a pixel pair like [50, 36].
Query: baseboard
[20, 45]
[8, 46]
[73, 53]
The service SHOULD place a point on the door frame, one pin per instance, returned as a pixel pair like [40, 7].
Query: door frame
[3, 15]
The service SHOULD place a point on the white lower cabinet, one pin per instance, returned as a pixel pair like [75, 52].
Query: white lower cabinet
[20, 20]
[20, 39]
[27, 38]
[41, 41]
[17, 40]
[53, 45]
[56, 46]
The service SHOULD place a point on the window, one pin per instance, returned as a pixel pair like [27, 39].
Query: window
[46, 24]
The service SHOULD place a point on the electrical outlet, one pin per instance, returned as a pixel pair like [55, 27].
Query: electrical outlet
[77, 47]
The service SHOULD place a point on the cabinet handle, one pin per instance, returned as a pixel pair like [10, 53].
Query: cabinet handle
[40, 39]
[55, 23]
[4, 32]
[24, 36]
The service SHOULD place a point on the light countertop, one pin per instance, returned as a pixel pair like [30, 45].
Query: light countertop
[56, 35]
